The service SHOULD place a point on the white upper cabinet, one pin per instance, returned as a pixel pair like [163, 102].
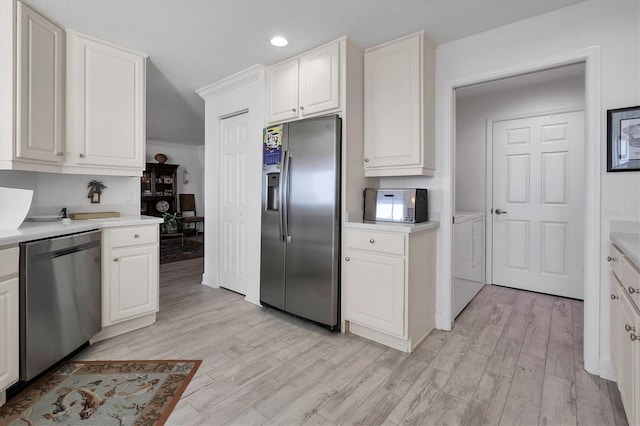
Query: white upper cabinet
[105, 105]
[40, 103]
[399, 108]
[304, 86]
[282, 86]
[32, 93]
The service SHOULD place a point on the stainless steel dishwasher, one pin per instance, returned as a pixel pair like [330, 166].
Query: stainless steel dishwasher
[60, 299]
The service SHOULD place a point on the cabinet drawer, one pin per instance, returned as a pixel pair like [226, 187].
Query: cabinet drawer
[378, 242]
[9, 261]
[630, 280]
[615, 259]
[133, 236]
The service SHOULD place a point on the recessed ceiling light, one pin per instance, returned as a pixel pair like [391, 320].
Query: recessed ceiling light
[279, 41]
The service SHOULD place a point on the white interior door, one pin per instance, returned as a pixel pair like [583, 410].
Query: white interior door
[233, 203]
[538, 187]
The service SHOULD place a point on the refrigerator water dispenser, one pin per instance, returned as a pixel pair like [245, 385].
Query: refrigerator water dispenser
[273, 191]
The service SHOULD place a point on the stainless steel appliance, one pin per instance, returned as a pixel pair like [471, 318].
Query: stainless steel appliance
[60, 299]
[396, 205]
[301, 218]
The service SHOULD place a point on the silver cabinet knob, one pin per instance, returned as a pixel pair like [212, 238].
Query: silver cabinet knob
[366, 160]
[610, 259]
[347, 259]
[627, 327]
[301, 108]
[372, 241]
[81, 155]
[634, 337]
[499, 211]
[614, 297]
[115, 259]
[633, 290]
[293, 110]
[136, 236]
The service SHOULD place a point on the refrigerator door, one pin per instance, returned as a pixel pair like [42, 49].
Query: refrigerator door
[273, 248]
[312, 257]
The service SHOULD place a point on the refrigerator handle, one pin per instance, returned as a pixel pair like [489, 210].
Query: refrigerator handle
[284, 197]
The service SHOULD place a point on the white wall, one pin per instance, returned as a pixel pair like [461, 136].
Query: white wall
[471, 118]
[189, 157]
[53, 191]
[244, 91]
[613, 28]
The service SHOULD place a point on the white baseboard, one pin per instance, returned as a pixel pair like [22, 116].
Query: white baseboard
[124, 327]
[210, 281]
[606, 369]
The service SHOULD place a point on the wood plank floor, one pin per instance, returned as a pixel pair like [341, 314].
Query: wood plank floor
[514, 357]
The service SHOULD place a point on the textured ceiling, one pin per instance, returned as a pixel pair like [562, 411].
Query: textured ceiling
[193, 43]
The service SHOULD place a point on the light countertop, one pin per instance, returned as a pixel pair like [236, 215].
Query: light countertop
[629, 245]
[30, 230]
[467, 216]
[407, 228]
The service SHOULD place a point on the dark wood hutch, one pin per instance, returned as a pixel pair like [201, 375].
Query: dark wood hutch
[158, 189]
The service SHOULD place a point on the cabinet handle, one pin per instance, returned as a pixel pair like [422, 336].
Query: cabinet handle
[81, 155]
[372, 241]
[115, 259]
[366, 160]
[136, 235]
[614, 297]
[634, 337]
[633, 290]
[610, 259]
[301, 108]
[347, 259]
[627, 327]
[60, 154]
[293, 110]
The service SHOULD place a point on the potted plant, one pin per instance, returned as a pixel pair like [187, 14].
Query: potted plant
[170, 224]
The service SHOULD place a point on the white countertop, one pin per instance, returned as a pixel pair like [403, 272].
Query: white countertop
[629, 245]
[467, 216]
[407, 228]
[30, 230]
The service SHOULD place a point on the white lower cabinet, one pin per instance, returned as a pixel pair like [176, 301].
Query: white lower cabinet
[130, 282]
[625, 333]
[8, 319]
[389, 285]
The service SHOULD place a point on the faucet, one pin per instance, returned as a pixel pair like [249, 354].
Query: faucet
[63, 213]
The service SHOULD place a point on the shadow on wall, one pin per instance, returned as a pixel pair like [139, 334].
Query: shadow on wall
[172, 115]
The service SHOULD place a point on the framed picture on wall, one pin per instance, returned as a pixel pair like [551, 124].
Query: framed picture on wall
[623, 139]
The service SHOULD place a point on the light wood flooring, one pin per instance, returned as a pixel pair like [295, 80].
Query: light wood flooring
[513, 357]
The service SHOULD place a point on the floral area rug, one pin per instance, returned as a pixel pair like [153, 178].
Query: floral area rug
[102, 393]
[172, 250]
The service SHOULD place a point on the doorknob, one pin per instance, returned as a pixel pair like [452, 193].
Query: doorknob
[498, 211]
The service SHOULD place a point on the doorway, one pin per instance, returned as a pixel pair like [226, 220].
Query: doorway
[517, 112]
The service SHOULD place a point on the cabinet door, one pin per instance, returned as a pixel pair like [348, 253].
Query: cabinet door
[320, 80]
[133, 286]
[282, 91]
[40, 101]
[628, 352]
[375, 291]
[392, 110]
[107, 104]
[8, 332]
[614, 321]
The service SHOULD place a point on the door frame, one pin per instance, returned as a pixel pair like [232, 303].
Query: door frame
[241, 92]
[446, 92]
[489, 179]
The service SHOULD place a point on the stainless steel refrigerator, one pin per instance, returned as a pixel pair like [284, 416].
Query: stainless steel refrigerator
[300, 247]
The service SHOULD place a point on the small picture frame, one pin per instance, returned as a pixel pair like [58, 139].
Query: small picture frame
[168, 180]
[623, 139]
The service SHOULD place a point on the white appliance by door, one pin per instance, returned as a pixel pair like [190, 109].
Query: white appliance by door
[538, 202]
[233, 203]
